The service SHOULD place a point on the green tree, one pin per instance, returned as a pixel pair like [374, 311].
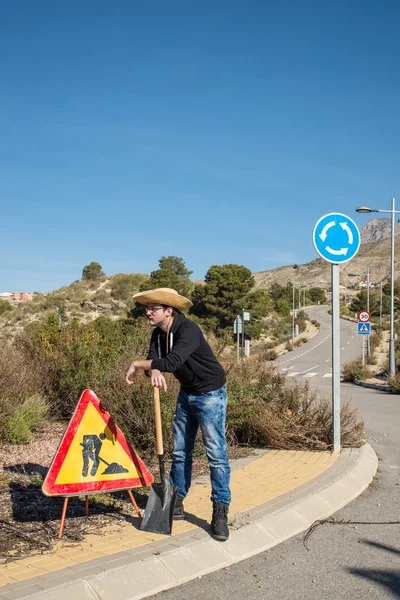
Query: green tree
[283, 308]
[359, 302]
[386, 288]
[222, 297]
[123, 286]
[317, 295]
[276, 291]
[260, 305]
[172, 273]
[92, 271]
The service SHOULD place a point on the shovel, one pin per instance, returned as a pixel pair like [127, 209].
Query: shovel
[159, 511]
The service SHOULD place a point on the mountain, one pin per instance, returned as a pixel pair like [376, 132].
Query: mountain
[378, 229]
[374, 256]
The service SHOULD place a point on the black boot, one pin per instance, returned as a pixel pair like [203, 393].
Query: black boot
[219, 523]
[179, 513]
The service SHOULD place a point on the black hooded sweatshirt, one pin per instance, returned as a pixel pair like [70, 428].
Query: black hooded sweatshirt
[187, 355]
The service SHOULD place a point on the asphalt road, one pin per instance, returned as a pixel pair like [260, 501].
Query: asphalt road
[357, 556]
[313, 360]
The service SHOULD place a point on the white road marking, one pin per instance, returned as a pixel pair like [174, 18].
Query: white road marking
[310, 369]
[293, 373]
[310, 375]
[327, 375]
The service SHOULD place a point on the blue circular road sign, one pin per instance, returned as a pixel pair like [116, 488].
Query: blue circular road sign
[336, 238]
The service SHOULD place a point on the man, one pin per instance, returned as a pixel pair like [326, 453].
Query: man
[178, 346]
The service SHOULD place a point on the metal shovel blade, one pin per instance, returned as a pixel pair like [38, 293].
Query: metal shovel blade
[159, 511]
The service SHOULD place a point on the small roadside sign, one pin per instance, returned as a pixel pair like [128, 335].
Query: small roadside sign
[364, 328]
[364, 316]
[237, 325]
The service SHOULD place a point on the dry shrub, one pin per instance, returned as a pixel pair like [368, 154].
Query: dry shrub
[265, 407]
[355, 370]
[394, 382]
[268, 409]
[22, 407]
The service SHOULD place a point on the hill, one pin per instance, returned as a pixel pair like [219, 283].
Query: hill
[374, 255]
[84, 299]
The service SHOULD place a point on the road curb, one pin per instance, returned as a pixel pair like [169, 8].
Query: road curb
[375, 386]
[137, 574]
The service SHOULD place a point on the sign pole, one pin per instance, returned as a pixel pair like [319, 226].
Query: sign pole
[363, 352]
[242, 332]
[335, 358]
[293, 319]
[237, 339]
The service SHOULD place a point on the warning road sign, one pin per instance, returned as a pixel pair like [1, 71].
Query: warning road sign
[364, 316]
[93, 455]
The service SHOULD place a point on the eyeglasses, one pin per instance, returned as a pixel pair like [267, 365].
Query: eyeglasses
[153, 309]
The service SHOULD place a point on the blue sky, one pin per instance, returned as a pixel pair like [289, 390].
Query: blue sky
[218, 131]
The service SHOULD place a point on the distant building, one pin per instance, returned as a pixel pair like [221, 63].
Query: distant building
[20, 297]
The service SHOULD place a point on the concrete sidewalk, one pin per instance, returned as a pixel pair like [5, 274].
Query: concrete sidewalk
[276, 494]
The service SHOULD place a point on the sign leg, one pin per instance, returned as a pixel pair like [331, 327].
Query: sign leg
[64, 512]
[87, 506]
[131, 496]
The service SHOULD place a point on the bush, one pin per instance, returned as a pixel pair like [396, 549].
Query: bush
[124, 286]
[266, 408]
[5, 306]
[18, 427]
[355, 370]
[394, 382]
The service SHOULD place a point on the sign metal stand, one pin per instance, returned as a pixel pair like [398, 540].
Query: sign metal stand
[336, 239]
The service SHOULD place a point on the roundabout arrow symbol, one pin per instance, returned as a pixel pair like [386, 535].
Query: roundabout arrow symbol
[346, 228]
[324, 232]
[342, 251]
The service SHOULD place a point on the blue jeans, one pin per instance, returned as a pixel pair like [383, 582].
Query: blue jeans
[208, 411]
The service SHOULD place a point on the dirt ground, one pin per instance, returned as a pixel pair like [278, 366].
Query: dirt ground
[29, 520]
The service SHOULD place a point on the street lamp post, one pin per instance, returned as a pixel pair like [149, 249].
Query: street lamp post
[293, 319]
[392, 212]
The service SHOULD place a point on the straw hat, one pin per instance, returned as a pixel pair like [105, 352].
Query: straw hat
[166, 296]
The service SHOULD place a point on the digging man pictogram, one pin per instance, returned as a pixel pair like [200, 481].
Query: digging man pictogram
[91, 446]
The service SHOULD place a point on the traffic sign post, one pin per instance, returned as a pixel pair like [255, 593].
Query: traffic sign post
[364, 328]
[336, 239]
[238, 328]
[364, 316]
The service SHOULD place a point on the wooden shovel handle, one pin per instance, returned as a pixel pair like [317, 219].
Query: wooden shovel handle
[157, 415]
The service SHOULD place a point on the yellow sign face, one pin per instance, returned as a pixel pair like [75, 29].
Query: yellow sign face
[94, 455]
[92, 451]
